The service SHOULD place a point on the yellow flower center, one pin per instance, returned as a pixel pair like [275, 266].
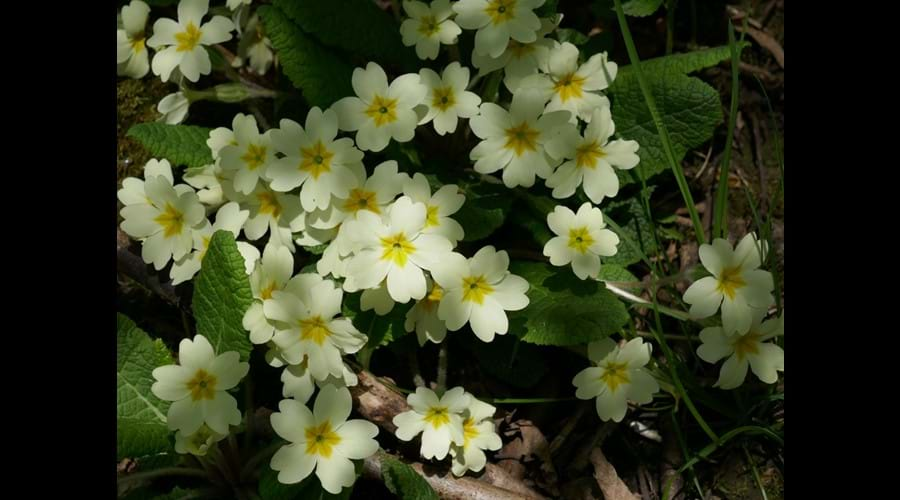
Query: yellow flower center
[266, 293]
[475, 289]
[321, 439]
[442, 98]
[171, 220]
[615, 374]
[361, 199]
[189, 38]
[433, 298]
[431, 217]
[382, 110]
[316, 159]
[470, 431]
[520, 50]
[428, 26]
[580, 239]
[202, 386]
[254, 156]
[730, 281]
[137, 45]
[521, 138]
[268, 204]
[501, 11]
[569, 87]
[746, 344]
[587, 155]
[437, 416]
[397, 248]
[314, 329]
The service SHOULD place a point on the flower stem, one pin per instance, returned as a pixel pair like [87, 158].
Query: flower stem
[721, 206]
[261, 455]
[442, 369]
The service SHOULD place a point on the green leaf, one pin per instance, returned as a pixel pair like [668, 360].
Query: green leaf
[572, 36]
[381, 330]
[687, 62]
[140, 416]
[510, 360]
[641, 8]
[180, 144]
[547, 9]
[322, 75]
[222, 295]
[308, 489]
[564, 310]
[629, 214]
[484, 210]
[403, 481]
[689, 107]
[357, 26]
[613, 272]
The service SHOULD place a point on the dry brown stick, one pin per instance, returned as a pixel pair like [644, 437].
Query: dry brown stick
[767, 41]
[610, 484]
[133, 266]
[444, 484]
[379, 404]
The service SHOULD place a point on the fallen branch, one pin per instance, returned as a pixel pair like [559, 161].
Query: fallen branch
[133, 266]
[610, 484]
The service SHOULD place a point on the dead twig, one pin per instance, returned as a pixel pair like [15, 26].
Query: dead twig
[133, 266]
[610, 484]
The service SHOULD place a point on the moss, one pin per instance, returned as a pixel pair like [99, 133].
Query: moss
[136, 102]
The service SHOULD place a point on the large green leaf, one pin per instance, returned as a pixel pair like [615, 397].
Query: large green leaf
[484, 210]
[222, 295]
[629, 215]
[357, 26]
[690, 109]
[308, 489]
[381, 330]
[180, 144]
[641, 8]
[510, 360]
[564, 310]
[322, 75]
[686, 62]
[404, 481]
[140, 416]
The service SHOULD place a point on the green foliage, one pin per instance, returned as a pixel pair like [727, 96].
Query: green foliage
[357, 26]
[403, 481]
[222, 295]
[381, 330]
[180, 144]
[641, 8]
[630, 216]
[572, 36]
[484, 210]
[140, 416]
[564, 310]
[613, 272]
[308, 489]
[689, 107]
[687, 62]
[510, 360]
[321, 74]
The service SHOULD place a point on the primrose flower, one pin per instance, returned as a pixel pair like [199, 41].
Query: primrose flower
[166, 223]
[445, 202]
[208, 180]
[736, 283]
[271, 274]
[249, 155]
[298, 382]
[197, 387]
[523, 141]
[766, 359]
[497, 21]
[198, 443]
[182, 44]
[229, 218]
[277, 213]
[479, 434]
[591, 159]
[423, 317]
[131, 50]
[519, 59]
[322, 439]
[380, 112]
[428, 27]
[619, 376]
[395, 249]
[447, 98]
[307, 326]
[173, 108]
[572, 87]
[372, 194]
[580, 239]
[133, 192]
[314, 158]
[439, 420]
[479, 291]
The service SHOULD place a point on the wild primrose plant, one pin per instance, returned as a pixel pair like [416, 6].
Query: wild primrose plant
[373, 178]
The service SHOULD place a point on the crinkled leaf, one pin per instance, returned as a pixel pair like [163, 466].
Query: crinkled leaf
[690, 109]
[403, 481]
[322, 75]
[140, 416]
[180, 144]
[564, 310]
[510, 360]
[381, 330]
[687, 62]
[630, 216]
[484, 210]
[222, 295]
[357, 26]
